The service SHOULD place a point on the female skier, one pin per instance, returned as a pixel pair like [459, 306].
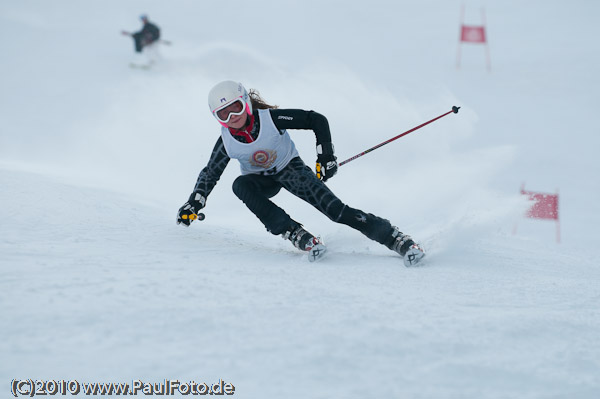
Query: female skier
[255, 133]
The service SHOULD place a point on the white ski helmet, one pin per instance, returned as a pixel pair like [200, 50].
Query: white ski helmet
[226, 93]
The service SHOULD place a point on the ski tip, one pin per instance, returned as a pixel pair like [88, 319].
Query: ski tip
[414, 255]
[317, 252]
[455, 109]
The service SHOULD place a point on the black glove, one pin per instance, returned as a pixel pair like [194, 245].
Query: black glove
[189, 211]
[326, 162]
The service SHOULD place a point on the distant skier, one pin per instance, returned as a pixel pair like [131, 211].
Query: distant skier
[149, 34]
[254, 133]
[145, 41]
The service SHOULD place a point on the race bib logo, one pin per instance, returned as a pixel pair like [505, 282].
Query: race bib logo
[263, 159]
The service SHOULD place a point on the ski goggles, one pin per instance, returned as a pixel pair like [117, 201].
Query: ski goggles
[224, 113]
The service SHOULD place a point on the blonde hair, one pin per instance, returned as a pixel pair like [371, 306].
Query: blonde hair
[258, 102]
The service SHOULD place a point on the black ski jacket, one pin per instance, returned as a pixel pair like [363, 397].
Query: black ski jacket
[149, 33]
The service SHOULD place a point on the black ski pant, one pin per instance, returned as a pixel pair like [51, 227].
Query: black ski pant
[297, 178]
[138, 42]
[141, 40]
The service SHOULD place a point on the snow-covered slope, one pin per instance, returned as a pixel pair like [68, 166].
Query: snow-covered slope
[99, 284]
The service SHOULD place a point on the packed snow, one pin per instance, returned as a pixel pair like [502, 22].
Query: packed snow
[98, 283]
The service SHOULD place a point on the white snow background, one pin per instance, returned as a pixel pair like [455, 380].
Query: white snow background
[98, 283]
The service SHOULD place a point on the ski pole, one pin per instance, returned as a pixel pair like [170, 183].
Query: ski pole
[454, 110]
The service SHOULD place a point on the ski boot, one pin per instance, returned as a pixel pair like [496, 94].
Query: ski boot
[403, 244]
[305, 241]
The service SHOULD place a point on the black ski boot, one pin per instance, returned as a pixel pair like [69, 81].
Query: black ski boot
[305, 241]
[403, 244]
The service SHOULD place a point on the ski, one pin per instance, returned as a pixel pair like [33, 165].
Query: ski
[140, 66]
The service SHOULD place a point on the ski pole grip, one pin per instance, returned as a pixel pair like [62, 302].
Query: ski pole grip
[455, 109]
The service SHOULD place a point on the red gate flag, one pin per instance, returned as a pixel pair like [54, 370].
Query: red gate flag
[545, 206]
[472, 34]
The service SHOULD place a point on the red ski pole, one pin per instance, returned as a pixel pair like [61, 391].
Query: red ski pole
[454, 110]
